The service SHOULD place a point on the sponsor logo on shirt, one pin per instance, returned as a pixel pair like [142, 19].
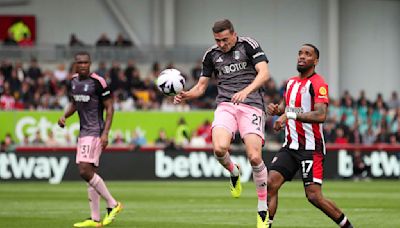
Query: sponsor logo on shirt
[322, 91]
[232, 68]
[81, 98]
[294, 109]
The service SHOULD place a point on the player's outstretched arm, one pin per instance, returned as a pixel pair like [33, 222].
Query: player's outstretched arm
[71, 109]
[195, 92]
[108, 105]
[260, 80]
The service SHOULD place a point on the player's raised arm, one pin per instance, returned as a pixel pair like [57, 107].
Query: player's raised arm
[195, 92]
[261, 78]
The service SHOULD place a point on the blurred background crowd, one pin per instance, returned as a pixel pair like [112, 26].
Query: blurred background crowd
[29, 86]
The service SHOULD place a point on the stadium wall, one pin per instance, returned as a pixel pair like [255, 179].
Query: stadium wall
[58, 164]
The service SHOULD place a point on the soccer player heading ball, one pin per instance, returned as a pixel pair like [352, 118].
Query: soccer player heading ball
[241, 68]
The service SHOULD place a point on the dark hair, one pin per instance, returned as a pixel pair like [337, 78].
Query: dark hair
[315, 49]
[223, 25]
[82, 53]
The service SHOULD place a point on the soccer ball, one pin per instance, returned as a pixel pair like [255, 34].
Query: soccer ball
[170, 82]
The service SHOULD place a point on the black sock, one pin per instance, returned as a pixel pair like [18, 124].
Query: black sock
[343, 222]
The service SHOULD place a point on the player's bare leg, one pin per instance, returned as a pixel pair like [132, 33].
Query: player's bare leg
[275, 181]
[221, 142]
[315, 197]
[253, 144]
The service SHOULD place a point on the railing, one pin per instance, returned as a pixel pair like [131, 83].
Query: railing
[143, 54]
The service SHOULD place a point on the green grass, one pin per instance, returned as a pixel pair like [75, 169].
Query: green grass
[195, 204]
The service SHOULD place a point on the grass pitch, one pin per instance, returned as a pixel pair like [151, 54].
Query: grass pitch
[191, 204]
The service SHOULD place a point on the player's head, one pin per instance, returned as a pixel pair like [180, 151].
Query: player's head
[224, 34]
[307, 58]
[82, 63]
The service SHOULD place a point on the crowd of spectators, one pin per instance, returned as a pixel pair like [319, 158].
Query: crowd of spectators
[102, 41]
[350, 119]
[35, 88]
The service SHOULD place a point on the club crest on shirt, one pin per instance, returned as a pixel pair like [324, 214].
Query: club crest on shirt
[73, 87]
[86, 88]
[303, 90]
[236, 55]
[322, 91]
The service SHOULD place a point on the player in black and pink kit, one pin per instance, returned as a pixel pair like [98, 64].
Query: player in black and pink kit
[241, 68]
[302, 113]
[90, 95]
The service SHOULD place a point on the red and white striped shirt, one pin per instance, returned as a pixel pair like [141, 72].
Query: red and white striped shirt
[300, 97]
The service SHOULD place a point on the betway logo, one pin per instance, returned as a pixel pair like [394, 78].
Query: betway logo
[32, 167]
[197, 165]
[382, 164]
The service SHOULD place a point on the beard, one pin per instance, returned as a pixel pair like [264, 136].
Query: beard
[303, 69]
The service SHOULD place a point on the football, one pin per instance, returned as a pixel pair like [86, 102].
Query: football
[170, 82]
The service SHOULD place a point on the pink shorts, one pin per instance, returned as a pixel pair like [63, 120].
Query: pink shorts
[245, 118]
[88, 150]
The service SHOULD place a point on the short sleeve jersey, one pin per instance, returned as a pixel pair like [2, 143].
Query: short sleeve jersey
[301, 95]
[88, 95]
[235, 70]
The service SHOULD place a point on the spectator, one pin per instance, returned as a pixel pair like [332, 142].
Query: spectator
[182, 135]
[6, 68]
[394, 101]
[204, 131]
[103, 41]
[21, 74]
[122, 42]
[118, 138]
[369, 137]
[162, 139]
[74, 41]
[340, 137]
[38, 141]
[25, 141]
[137, 139]
[34, 71]
[60, 73]
[102, 69]
[130, 68]
[8, 144]
[7, 101]
[155, 71]
[51, 141]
